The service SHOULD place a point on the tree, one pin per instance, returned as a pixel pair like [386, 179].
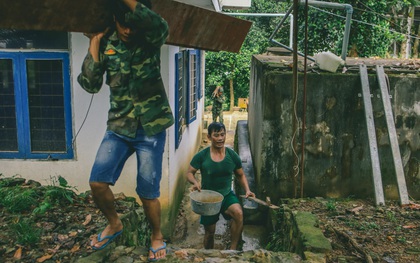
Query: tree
[233, 70]
[377, 26]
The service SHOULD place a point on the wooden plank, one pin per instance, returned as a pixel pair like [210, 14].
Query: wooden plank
[261, 202]
[189, 26]
[55, 15]
[373, 145]
[201, 28]
[393, 137]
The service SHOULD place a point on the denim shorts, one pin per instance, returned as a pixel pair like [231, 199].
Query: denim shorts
[114, 152]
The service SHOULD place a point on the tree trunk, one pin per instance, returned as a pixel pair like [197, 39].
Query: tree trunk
[410, 17]
[416, 44]
[232, 95]
[406, 22]
[395, 24]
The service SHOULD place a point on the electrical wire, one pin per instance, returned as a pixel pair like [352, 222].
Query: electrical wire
[305, 77]
[374, 12]
[370, 24]
[83, 122]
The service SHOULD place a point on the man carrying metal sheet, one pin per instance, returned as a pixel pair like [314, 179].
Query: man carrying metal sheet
[138, 117]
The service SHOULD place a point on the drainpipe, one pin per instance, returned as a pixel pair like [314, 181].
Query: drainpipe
[216, 5]
[347, 7]
[349, 10]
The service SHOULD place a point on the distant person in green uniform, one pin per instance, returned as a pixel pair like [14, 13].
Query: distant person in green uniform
[139, 114]
[218, 100]
[217, 164]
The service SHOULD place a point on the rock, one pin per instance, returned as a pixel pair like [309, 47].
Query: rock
[135, 225]
[12, 181]
[124, 259]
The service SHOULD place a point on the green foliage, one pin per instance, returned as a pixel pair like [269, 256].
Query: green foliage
[221, 67]
[17, 199]
[58, 193]
[26, 232]
[364, 225]
[276, 238]
[331, 205]
[372, 35]
[390, 215]
[42, 208]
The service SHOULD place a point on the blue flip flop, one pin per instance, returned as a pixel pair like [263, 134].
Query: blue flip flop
[154, 251]
[110, 238]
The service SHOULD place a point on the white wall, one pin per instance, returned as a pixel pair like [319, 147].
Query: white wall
[77, 171]
[179, 158]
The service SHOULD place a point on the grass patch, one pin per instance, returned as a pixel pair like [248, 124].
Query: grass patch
[26, 232]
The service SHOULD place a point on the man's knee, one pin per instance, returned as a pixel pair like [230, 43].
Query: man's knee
[149, 202]
[210, 230]
[98, 186]
[236, 213]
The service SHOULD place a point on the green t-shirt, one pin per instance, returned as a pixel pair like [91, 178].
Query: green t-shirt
[216, 176]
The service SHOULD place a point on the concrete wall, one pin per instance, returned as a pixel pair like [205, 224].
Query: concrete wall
[337, 155]
[77, 171]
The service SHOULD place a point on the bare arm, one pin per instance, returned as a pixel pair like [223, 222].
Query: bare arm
[216, 92]
[130, 3]
[94, 42]
[240, 176]
[191, 178]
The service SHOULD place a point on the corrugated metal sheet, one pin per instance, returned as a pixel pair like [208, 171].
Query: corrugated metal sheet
[190, 26]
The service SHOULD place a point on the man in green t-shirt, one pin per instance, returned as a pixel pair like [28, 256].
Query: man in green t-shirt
[217, 163]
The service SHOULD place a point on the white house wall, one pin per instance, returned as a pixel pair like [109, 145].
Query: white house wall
[77, 171]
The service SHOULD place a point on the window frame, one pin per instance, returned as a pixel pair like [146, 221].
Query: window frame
[179, 105]
[192, 87]
[19, 59]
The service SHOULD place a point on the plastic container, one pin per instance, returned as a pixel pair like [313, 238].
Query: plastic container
[206, 202]
[328, 61]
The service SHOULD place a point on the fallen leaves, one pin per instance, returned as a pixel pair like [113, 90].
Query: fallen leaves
[87, 220]
[45, 257]
[183, 254]
[356, 210]
[18, 253]
[412, 205]
[409, 226]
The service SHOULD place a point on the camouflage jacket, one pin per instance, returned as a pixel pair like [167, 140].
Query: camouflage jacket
[137, 94]
[218, 103]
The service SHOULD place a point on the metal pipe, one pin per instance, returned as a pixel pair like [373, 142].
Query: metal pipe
[305, 81]
[295, 85]
[291, 50]
[284, 15]
[349, 10]
[254, 14]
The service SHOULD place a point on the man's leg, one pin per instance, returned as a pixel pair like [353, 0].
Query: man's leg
[152, 211]
[214, 115]
[209, 236]
[235, 211]
[104, 200]
[149, 150]
[109, 161]
[221, 116]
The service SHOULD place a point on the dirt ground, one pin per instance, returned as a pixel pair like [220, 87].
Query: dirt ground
[358, 230]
